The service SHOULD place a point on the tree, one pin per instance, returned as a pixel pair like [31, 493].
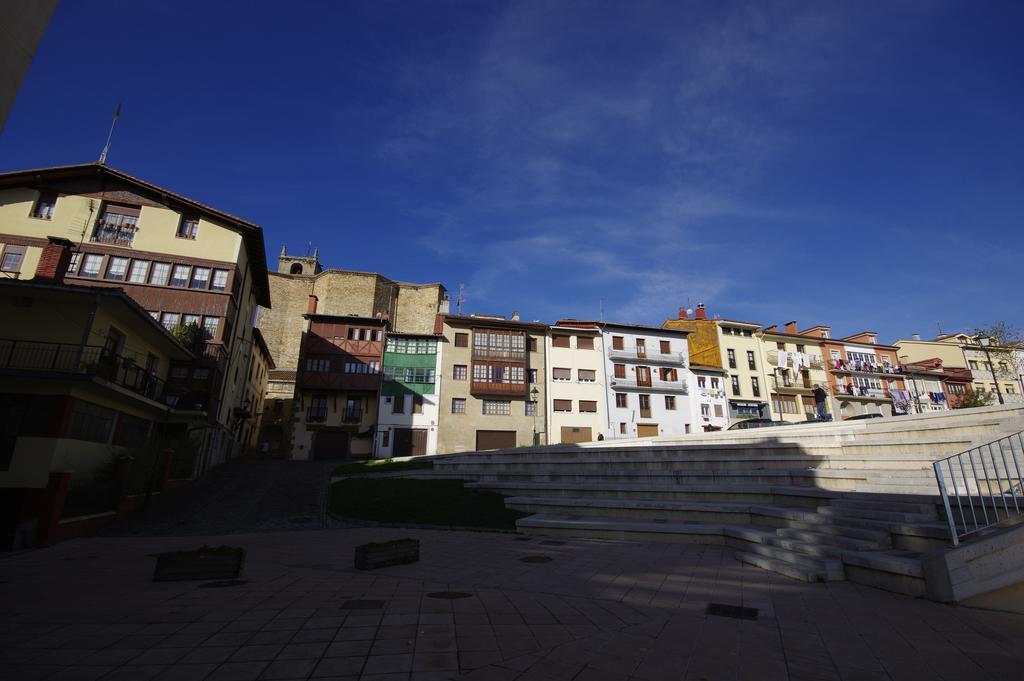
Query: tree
[1004, 351]
[972, 398]
[188, 335]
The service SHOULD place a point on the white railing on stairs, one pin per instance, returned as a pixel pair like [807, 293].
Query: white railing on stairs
[982, 486]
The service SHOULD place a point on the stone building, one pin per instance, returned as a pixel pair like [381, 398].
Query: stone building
[405, 307]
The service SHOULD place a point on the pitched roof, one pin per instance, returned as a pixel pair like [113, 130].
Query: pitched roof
[252, 233]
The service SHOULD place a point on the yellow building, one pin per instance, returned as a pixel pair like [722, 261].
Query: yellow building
[794, 362]
[993, 369]
[185, 263]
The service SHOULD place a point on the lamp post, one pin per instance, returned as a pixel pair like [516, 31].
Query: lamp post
[536, 406]
[985, 342]
[913, 381]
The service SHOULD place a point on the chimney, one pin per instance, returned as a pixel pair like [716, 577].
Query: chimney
[771, 329]
[700, 313]
[682, 313]
[791, 328]
[915, 336]
[311, 305]
[53, 263]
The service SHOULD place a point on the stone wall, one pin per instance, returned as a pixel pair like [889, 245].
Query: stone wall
[417, 308]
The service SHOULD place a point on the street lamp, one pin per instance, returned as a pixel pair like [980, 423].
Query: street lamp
[536, 406]
[985, 342]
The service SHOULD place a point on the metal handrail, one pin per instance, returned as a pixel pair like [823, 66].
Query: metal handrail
[982, 480]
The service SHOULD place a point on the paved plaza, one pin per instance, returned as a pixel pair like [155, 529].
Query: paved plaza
[596, 610]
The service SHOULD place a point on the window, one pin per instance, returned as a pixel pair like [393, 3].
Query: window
[497, 407]
[587, 375]
[459, 372]
[169, 320]
[179, 276]
[188, 228]
[220, 280]
[201, 374]
[645, 405]
[90, 266]
[735, 385]
[385, 438]
[462, 340]
[531, 408]
[622, 428]
[705, 410]
[755, 386]
[731, 354]
[43, 208]
[563, 405]
[668, 375]
[417, 404]
[179, 372]
[131, 431]
[666, 347]
[622, 400]
[560, 341]
[117, 225]
[158, 275]
[353, 409]
[620, 370]
[210, 325]
[750, 360]
[398, 404]
[670, 402]
[560, 374]
[200, 277]
[714, 383]
[532, 374]
[588, 406]
[91, 422]
[531, 344]
[584, 342]
[138, 272]
[73, 264]
[458, 405]
[618, 343]
[13, 255]
[318, 408]
[188, 319]
[117, 268]
[318, 364]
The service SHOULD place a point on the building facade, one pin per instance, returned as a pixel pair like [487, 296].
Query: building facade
[337, 387]
[493, 383]
[197, 270]
[260, 366]
[409, 407]
[708, 399]
[576, 383]
[794, 364]
[735, 347]
[647, 370]
[864, 376]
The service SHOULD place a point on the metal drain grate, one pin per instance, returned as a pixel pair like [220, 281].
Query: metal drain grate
[735, 612]
[552, 542]
[536, 559]
[449, 595]
[359, 604]
[223, 583]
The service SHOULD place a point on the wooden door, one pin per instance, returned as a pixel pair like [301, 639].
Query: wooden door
[409, 442]
[572, 434]
[645, 406]
[495, 439]
[647, 429]
[643, 376]
[641, 348]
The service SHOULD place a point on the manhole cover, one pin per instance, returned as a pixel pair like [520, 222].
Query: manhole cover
[449, 595]
[223, 583]
[734, 611]
[536, 559]
[524, 538]
[300, 520]
[359, 604]
[552, 542]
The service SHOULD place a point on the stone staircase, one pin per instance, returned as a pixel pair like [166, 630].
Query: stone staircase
[817, 503]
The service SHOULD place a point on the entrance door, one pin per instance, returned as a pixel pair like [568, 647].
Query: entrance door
[410, 442]
[495, 439]
[643, 376]
[647, 429]
[645, 406]
[571, 435]
[331, 444]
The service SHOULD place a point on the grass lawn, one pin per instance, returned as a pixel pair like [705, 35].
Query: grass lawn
[429, 502]
[381, 466]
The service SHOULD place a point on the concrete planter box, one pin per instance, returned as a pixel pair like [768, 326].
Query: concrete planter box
[221, 562]
[384, 554]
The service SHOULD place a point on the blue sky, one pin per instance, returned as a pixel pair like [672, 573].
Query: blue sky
[824, 162]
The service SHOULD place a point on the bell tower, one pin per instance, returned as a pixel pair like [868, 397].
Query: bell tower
[301, 265]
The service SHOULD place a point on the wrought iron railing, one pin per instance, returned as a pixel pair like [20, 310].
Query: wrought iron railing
[982, 486]
[114, 233]
[91, 360]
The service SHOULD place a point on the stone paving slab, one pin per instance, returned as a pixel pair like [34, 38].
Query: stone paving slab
[599, 610]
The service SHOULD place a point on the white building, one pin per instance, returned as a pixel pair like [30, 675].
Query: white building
[708, 398]
[576, 405]
[408, 408]
[648, 381]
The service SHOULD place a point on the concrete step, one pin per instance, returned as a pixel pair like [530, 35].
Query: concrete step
[823, 525]
[821, 536]
[641, 530]
[832, 567]
[633, 509]
[871, 505]
[787, 569]
[873, 514]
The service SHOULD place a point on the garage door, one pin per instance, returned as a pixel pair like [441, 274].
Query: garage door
[330, 445]
[572, 434]
[410, 442]
[495, 439]
[646, 429]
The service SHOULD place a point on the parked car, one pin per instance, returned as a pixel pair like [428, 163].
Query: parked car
[861, 417]
[756, 423]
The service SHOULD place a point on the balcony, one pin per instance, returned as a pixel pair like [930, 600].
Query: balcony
[493, 353]
[652, 386]
[840, 366]
[509, 389]
[79, 360]
[213, 353]
[815, 360]
[863, 391]
[113, 233]
[350, 415]
[633, 354]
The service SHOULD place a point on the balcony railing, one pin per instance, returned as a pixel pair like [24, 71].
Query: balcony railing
[79, 360]
[352, 415]
[843, 366]
[213, 353]
[483, 388]
[494, 353]
[773, 359]
[113, 233]
[632, 354]
[863, 391]
[654, 386]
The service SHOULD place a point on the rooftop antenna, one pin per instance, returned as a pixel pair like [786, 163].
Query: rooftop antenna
[106, 147]
[460, 300]
[600, 308]
[938, 325]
